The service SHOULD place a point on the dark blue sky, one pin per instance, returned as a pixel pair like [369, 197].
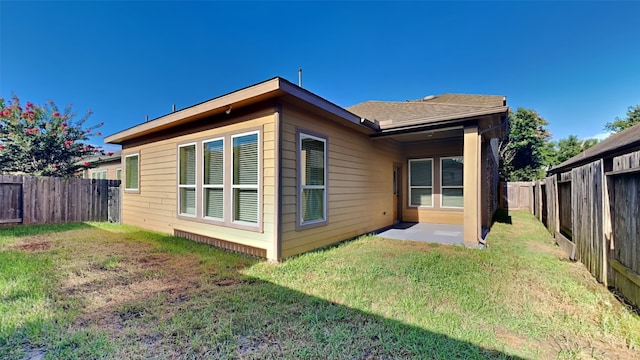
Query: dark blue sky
[576, 63]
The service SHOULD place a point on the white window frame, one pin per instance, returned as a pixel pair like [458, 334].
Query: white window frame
[303, 135]
[136, 189]
[442, 187]
[257, 187]
[119, 172]
[420, 186]
[188, 186]
[215, 186]
[99, 174]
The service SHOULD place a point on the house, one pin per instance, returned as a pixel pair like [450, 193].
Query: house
[104, 167]
[275, 170]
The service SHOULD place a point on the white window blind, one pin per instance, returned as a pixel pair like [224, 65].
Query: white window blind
[452, 182]
[213, 185]
[421, 182]
[245, 178]
[187, 179]
[312, 160]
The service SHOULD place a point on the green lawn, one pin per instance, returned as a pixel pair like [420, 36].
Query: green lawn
[105, 291]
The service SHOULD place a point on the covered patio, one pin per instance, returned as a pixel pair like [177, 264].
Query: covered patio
[426, 232]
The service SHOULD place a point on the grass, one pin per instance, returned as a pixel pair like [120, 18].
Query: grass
[106, 291]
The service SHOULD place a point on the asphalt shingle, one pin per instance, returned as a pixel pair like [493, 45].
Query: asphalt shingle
[430, 109]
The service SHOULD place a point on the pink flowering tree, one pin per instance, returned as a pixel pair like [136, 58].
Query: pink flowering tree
[44, 141]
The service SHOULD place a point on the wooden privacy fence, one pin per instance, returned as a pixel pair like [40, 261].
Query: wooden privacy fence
[516, 195]
[594, 215]
[45, 200]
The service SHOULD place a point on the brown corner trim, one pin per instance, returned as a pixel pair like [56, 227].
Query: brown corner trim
[223, 244]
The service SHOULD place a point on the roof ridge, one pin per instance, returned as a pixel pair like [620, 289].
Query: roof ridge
[414, 102]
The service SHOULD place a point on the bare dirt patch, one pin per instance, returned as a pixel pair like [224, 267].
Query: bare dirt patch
[35, 246]
[515, 341]
[115, 277]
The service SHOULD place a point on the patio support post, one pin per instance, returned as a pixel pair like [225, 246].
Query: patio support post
[471, 185]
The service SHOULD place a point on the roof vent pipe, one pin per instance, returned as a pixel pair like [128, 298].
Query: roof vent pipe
[146, 118]
[173, 108]
[300, 77]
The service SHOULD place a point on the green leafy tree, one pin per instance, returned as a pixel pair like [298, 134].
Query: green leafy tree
[524, 153]
[632, 118]
[42, 141]
[567, 148]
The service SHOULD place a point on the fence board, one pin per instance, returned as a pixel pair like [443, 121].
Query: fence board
[516, 195]
[625, 215]
[54, 200]
[552, 204]
[565, 220]
[544, 211]
[587, 218]
[627, 161]
[113, 212]
[11, 195]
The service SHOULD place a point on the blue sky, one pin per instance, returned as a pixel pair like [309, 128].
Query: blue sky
[576, 63]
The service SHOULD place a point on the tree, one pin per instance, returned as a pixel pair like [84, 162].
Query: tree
[525, 151]
[39, 140]
[632, 118]
[567, 148]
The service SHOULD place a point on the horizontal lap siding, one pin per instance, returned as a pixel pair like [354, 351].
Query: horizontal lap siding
[155, 207]
[360, 182]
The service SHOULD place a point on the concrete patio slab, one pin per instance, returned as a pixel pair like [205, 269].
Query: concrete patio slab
[425, 232]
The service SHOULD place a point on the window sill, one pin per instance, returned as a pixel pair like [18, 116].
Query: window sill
[311, 225]
[257, 228]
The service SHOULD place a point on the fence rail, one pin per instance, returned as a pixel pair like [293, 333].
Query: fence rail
[594, 216]
[45, 200]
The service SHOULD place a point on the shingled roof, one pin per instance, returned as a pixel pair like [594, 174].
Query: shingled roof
[431, 109]
[616, 144]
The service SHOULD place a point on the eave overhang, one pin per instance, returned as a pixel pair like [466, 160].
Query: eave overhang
[267, 90]
[447, 122]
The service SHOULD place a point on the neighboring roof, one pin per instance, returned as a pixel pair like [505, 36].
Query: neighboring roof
[265, 90]
[626, 140]
[431, 109]
[115, 156]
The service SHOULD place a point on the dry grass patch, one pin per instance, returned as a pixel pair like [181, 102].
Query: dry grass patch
[107, 291]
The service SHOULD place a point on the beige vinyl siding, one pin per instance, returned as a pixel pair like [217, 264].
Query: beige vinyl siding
[110, 167]
[359, 183]
[156, 208]
[433, 149]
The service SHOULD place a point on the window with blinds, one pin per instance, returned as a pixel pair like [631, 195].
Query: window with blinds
[313, 176]
[213, 182]
[452, 182]
[421, 182]
[132, 173]
[244, 186]
[187, 179]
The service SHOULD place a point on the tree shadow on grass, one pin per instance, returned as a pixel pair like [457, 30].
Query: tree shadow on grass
[165, 308]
